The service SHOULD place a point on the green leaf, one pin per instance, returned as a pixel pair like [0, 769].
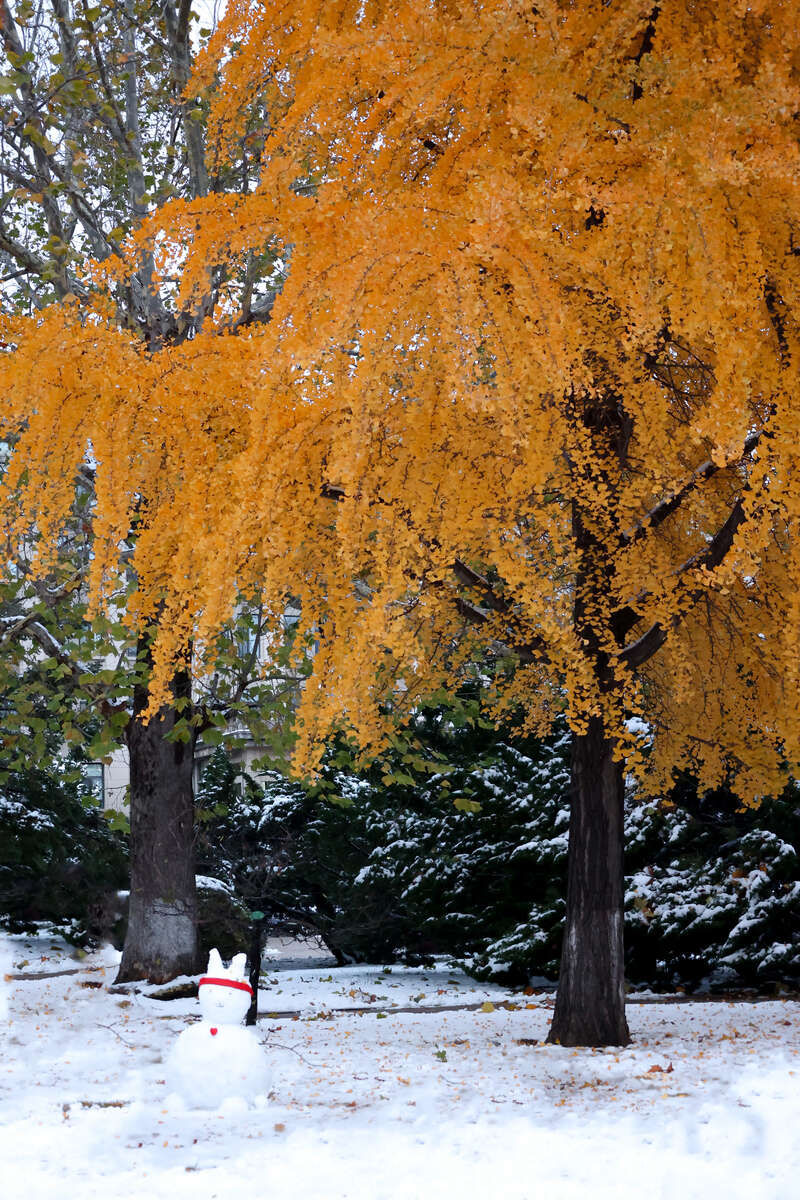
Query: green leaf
[117, 820]
[465, 805]
[402, 777]
[100, 748]
[340, 801]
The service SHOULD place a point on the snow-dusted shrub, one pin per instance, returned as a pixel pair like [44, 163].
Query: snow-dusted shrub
[59, 860]
[445, 846]
[714, 890]
[459, 848]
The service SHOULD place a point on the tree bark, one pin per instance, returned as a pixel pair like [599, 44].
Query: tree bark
[590, 1004]
[161, 940]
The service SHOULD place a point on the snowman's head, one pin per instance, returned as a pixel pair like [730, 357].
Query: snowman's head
[223, 992]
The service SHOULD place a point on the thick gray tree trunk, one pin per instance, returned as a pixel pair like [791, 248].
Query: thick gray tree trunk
[161, 940]
[590, 1004]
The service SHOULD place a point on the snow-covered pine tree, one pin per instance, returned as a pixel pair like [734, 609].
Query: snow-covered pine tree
[713, 889]
[60, 861]
[453, 842]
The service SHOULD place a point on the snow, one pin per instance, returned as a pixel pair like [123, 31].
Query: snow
[637, 726]
[212, 885]
[209, 1064]
[217, 1059]
[457, 1097]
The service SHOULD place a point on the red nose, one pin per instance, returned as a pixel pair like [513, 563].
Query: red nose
[214, 1031]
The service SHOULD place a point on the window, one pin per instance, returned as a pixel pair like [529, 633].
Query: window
[94, 780]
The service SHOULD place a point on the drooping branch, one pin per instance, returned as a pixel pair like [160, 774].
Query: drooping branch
[643, 649]
[530, 650]
[472, 579]
[625, 619]
[637, 653]
[665, 508]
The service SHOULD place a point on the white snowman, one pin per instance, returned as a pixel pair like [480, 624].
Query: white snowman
[218, 1059]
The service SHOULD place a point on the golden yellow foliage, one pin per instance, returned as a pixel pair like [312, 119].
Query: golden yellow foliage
[529, 384]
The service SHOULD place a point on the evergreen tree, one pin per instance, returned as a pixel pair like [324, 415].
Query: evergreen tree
[713, 889]
[443, 845]
[455, 843]
[60, 861]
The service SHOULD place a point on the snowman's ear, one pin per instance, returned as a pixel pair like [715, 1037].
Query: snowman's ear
[214, 963]
[237, 968]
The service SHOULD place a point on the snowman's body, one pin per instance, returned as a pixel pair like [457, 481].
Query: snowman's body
[218, 1059]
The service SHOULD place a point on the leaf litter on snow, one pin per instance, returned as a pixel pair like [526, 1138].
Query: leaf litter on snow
[445, 1089]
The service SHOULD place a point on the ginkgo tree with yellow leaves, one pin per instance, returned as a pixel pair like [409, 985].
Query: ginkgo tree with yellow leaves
[94, 130]
[527, 392]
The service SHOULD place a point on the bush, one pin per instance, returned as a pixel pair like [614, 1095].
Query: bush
[59, 860]
[713, 890]
[450, 844]
[455, 843]
[223, 922]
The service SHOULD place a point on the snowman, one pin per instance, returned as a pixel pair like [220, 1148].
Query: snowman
[218, 1059]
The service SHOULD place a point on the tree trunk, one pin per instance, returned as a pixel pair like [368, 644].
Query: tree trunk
[161, 941]
[590, 1004]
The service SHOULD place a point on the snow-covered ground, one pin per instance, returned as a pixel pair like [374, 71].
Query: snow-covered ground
[462, 1102]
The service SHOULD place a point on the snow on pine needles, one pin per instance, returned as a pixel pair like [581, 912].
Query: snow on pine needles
[438, 1087]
